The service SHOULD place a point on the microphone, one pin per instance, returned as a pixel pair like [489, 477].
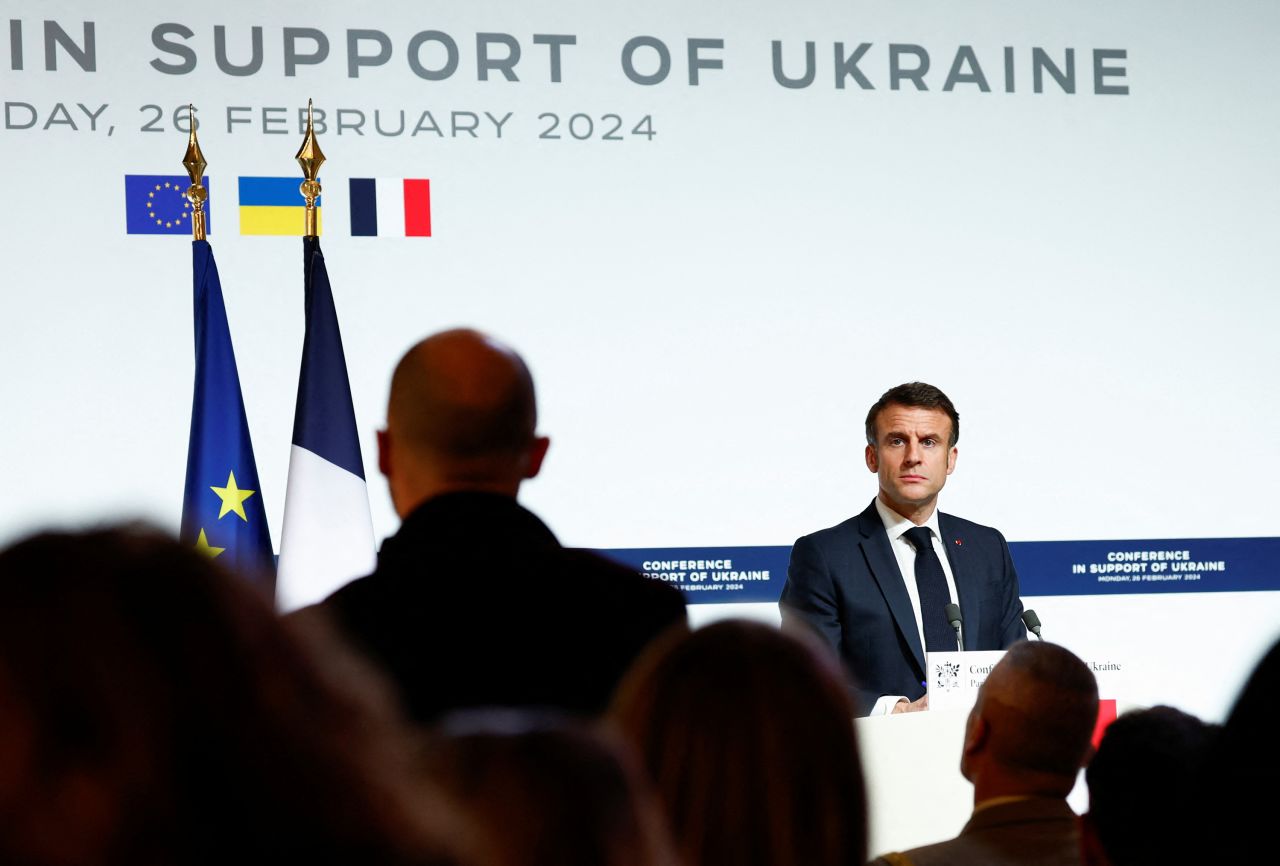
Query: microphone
[952, 612]
[1032, 622]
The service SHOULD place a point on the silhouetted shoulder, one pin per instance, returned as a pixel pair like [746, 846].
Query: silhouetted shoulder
[621, 579]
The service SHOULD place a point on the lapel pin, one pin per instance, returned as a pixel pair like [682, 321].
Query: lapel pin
[959, 542]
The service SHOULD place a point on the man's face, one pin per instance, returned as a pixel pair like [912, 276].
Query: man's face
[912, 457]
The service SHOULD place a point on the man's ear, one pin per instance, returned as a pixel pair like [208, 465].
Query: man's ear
[873, 459]
[975, 737]
[384, 452]
[951, 459]
[537, 453]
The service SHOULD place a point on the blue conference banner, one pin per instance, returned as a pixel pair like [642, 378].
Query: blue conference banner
[728, 575]
[712, 575]
[1147, 565]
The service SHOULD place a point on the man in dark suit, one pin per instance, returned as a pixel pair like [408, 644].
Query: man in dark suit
[875, 586]
[474, 602]
[1024, 744]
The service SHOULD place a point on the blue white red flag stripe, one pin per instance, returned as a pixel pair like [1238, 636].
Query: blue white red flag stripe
[327, 538]
[390, 207]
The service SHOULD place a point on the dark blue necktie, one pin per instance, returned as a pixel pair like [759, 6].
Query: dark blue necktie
[931, 583]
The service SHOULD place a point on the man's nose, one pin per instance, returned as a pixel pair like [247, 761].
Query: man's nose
[912, 454]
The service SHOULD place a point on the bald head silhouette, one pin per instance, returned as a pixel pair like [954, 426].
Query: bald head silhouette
[1029, 732]
[461, 416]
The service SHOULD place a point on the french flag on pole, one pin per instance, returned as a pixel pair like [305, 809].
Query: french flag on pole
[328, 532]
[390, 207]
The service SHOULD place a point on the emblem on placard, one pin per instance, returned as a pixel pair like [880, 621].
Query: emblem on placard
[947, 676]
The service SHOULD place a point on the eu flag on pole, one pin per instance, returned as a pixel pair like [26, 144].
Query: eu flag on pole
[156, 204]
[328, 532]
[222, 509]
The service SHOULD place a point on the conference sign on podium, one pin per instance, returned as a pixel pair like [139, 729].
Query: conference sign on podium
[955, 677]
[953, 680]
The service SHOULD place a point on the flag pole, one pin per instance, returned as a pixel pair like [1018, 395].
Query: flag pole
[327, 539]
[310, 158]
[193, 161]
[222, 511]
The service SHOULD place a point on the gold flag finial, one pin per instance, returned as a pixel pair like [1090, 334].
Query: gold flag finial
[193, 161]
[310, 158]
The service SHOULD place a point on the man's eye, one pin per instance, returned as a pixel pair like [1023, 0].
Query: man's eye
[929, 442]
[894, 440]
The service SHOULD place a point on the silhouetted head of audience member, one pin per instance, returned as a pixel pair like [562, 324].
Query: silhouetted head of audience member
[540, 790]
[748, 734]
[154, 710]
[1029, 731]
[1236, 790]
[1140, 779]
[1252, 722]
[461, 416]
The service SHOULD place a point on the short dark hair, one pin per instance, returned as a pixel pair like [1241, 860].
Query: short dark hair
[1143, 772]
[482, 407]
[915, 394]
[1049, 712]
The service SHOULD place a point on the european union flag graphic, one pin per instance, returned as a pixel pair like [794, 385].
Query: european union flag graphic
[156, 204]
[222, 509]
[328, 533]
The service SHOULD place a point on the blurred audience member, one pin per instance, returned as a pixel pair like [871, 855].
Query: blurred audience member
[546, 792]
[748, 734]
[1025, 741]
[1140, 782]
[153, 710]
[1236, 795]
[474, 602]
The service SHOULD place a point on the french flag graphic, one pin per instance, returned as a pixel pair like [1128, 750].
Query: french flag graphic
[396, 207]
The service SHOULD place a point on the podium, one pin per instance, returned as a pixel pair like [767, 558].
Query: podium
[915, 793]
[911, 761]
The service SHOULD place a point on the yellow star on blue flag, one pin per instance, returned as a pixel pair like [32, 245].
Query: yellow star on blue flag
[156, 204]
[222, 476]
[232, 498]
[203, 546]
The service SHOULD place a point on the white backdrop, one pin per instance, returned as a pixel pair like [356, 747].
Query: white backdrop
[708, 311]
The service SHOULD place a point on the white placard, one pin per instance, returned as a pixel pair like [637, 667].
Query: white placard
[954, 677]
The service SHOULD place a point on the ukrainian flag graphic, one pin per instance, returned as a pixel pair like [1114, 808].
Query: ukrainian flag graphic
[273, 206]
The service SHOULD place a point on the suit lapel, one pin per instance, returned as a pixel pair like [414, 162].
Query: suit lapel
[970, 600]
[884, 568]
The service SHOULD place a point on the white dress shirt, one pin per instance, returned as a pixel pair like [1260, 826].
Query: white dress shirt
[896, 526]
